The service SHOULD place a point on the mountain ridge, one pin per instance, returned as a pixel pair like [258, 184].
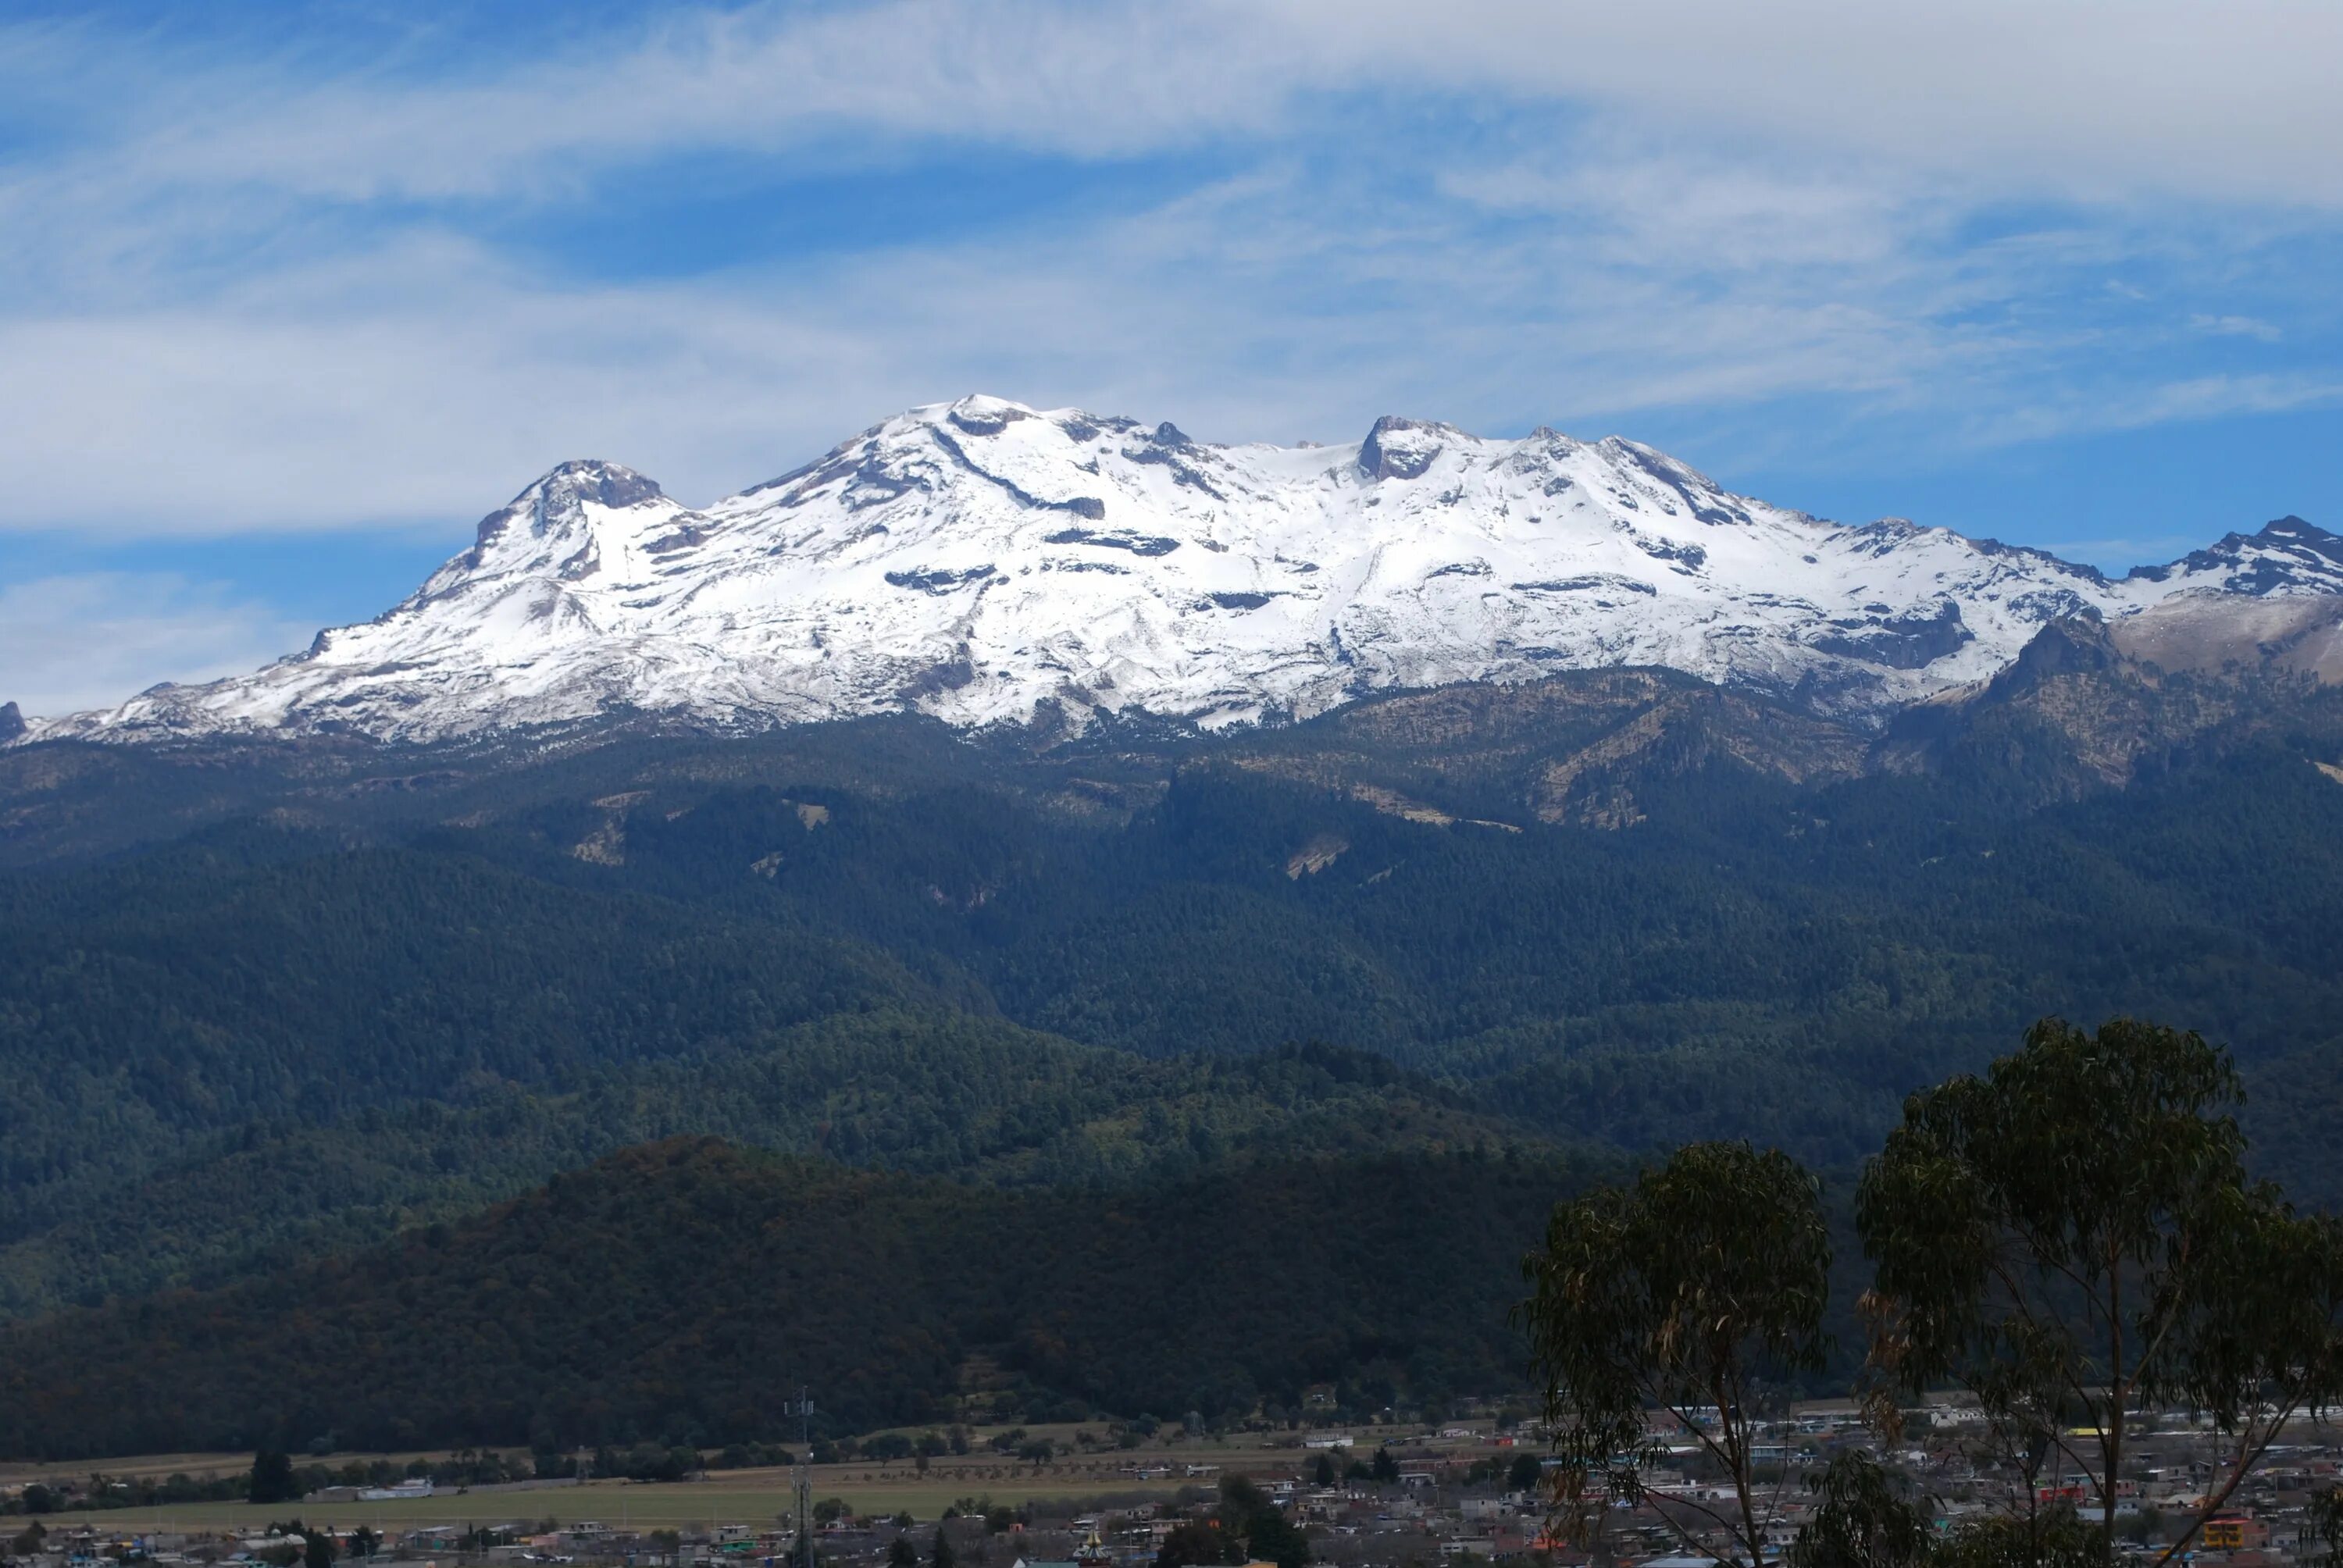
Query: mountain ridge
[986, 563]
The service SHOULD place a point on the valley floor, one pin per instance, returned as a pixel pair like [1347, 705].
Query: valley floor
[759, 1496]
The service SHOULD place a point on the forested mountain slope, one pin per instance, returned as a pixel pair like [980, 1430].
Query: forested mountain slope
[255, 1000]
[911, 1090]
[683, 1291]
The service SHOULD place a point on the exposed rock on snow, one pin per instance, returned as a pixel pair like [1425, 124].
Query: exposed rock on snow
[981, 562]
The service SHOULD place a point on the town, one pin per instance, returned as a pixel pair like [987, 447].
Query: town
[1384, 1495]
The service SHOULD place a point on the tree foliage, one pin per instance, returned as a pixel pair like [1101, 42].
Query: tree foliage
[1862, 1517]
[1195, 1542]
[272, 1478]
[2025, 1537]
[1684, 1293]
[382, 990]
[1232, 1291]
[2073, 1233]
[1256, 1527]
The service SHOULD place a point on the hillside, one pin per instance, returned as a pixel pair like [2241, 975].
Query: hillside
[260, 1001]
[218, 1199]
[684, 1291]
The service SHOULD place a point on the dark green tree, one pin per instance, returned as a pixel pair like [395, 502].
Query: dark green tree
[1384, 1468]
[942, 1556]
[317, 1550]
[1256, 1526]
[272, 1478]
[1524, 1473]
[2322, 1528]
[2047, 1538]
[1686, 1292]
[1273, 1538]
[1194, 1543]
[2073, 1234]
[1862, 1517]
[901, 1553]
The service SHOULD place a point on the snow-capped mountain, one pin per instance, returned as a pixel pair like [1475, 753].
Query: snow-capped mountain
[981, 561]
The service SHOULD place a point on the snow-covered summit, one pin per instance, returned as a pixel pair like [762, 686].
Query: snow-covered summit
[980, 560]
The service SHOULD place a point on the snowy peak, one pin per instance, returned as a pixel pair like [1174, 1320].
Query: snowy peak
[2285, 556]
[556, 521]
[1399, 448]
[984, 562]
[572, 485]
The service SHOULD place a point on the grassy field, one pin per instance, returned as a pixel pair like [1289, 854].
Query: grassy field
[16, 1472]
[734, 1497]
[724, 1500]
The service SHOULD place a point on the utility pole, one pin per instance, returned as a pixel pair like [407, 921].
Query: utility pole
[805, 1480]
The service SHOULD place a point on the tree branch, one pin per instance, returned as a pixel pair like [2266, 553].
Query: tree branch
[2250, 1453]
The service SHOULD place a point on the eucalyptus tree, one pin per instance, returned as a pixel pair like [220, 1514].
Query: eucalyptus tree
[2072, 1235]
[1685, 1293]
[1864, 1516]
[2322, 1529]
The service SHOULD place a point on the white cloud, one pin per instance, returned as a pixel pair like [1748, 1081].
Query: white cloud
[2137, 407]
[2236, 327]
[1710, 212]
[2097, 97]
[431, 378]
[78, 641]
[243, 297]
[2103, 97]
[1103, 79]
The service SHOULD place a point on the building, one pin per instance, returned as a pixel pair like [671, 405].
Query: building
[2234, 1532]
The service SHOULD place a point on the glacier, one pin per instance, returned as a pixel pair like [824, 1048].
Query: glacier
[987, 563]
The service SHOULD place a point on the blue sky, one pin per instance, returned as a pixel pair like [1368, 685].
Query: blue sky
[291, 293]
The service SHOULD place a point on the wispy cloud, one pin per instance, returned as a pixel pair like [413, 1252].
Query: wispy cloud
[429, 375]
[2140, 407]
[2041, 96]
[277, 287]
[78, 640]
[2073, 97]
[2236, 327]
